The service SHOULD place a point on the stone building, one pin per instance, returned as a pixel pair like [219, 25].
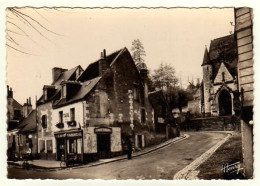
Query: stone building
[17, 117]
[91, 113]
[220, 87]
[244, 36]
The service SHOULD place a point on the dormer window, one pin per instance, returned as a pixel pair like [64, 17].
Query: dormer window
[63, 91]
[48, 91]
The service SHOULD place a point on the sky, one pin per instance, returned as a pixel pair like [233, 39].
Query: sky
[69, 37]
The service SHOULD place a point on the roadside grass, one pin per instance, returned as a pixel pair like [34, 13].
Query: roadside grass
[230, 151]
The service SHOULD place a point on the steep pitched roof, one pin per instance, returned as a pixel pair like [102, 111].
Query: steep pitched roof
[224, 50]
[206, 59]
[65, 76]
[28, 124]
[92, 71]
[84, 90]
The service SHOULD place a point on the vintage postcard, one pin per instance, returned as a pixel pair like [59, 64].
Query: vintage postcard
[129, 93]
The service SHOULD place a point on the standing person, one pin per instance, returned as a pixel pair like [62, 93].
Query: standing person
[129, 149]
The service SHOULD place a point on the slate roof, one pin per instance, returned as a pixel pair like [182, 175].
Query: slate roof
[66, 75]
[92, 71]
[206, 60]
[224, 50]
[28, 124]
[87, 81]
[85, 88]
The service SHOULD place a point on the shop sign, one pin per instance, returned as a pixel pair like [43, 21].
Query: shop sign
[60, 135]
[69, 135]
[103, 130]
[74, 134]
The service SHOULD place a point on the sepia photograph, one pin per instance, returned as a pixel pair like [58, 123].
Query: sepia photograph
[129, 93]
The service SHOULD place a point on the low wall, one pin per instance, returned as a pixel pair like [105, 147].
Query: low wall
[225, 123]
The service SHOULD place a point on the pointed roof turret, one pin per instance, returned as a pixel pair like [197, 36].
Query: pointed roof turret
[206, 60]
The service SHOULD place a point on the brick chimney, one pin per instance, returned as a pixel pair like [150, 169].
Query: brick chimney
[103, 65]
[27, 107]
[56, 72]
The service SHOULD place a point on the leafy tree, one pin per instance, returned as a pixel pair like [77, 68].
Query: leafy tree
[138, 51]
[164, 77]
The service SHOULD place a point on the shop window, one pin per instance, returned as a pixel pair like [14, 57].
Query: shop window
[72, 114]
[143, 116]
[20, 137]
[61, 117]
[44, 121]
[72, 145]
[42, 146]
[49, 146]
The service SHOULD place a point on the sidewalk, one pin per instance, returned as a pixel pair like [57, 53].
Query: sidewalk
[47, 164]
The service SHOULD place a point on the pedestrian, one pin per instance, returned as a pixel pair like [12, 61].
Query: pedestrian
[129, 149]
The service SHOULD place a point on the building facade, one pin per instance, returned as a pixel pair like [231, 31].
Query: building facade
[92, 113]
[18, 118]
[244, 36]
[220, 86]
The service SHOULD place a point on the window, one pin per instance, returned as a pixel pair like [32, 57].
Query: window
[223, 76]
[72, 145]
[143, 115]
[17, 114]
[136, 94]
[45, 94]
[63, 91]
[49, 146]
[72, 114]
[42, 146]
[20, 138]
[44, 121]
[61, 117]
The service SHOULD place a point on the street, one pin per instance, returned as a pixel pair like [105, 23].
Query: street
[161, 164]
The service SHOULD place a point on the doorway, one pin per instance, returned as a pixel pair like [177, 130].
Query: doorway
[60, 148]
[225, 103]
[103, 145]
[140, 141]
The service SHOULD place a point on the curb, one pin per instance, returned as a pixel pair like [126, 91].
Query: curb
[188, 171]
[163, 145]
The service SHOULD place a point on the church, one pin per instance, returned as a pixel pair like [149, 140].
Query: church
[220, 87]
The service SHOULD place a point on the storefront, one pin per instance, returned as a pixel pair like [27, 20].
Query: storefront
[69, 144]
[103, 141]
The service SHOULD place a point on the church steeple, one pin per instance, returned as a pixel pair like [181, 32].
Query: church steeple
[206, 60]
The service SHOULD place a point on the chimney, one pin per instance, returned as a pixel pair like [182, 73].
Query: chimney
[102, 66]
[27, 107]
[30, 101]
[9, 92]
[56, 72]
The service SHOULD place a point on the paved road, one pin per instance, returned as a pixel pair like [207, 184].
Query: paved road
[162, 164]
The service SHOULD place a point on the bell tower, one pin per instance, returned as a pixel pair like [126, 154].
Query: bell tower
[207, 73]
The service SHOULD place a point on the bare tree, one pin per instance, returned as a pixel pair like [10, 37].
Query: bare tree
[18, 22]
